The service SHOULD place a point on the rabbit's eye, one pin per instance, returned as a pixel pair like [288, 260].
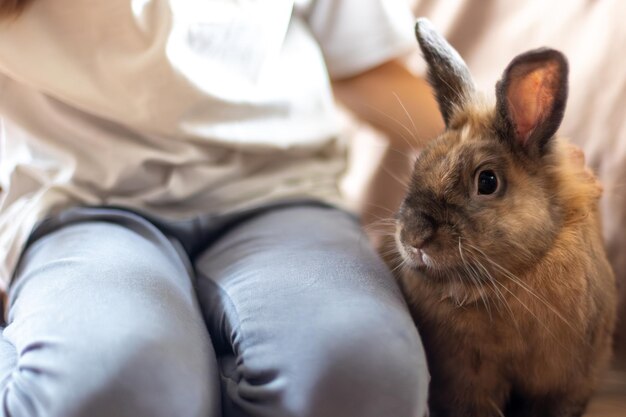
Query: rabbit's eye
[487, 182]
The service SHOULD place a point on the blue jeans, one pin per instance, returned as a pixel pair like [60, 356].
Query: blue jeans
[284, 311]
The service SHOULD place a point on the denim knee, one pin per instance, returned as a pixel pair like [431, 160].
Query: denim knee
[368, 371]
[104, 322]
[128, 375]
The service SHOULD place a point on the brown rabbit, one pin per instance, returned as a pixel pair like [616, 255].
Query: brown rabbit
[499, 248]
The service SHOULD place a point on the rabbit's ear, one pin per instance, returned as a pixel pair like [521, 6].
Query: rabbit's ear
[531, 97]
[447, 72]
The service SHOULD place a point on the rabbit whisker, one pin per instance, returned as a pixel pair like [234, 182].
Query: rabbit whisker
[501, 297]
[416, 135]
[412, 146]
[404, 183]
[508, 274]
[472, 273]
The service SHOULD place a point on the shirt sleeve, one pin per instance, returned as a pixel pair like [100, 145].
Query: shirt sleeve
[356, 35]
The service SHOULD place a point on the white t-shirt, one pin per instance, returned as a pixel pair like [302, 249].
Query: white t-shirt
[177, 107]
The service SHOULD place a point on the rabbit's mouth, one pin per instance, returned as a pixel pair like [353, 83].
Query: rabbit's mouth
[439, 257]
[416, 257]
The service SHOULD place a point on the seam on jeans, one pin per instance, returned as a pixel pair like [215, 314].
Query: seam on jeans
[227, 306]
[237, 353]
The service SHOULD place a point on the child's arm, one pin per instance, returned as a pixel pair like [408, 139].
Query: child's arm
[402, 106]
[12, 8]
[395, 101]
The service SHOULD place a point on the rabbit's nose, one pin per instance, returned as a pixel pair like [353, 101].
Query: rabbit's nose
[419, 231]
[417, 242]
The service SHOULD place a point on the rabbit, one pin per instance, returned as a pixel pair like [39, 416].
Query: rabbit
[497, 246]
